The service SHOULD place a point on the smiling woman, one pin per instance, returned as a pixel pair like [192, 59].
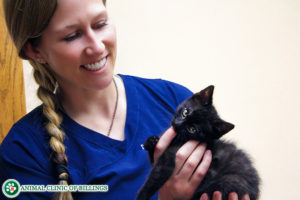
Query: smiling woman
[77, 45]
[91, 122]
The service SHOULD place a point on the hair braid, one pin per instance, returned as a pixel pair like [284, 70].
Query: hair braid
[46, 82]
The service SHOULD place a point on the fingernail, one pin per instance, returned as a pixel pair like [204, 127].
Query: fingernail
[233, 196]
[204, 197]
[208, 152]
[246, 197]
[217, 195]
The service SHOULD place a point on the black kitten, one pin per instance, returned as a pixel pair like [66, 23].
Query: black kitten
[230, 171]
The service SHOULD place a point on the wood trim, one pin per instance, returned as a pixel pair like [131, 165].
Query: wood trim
[12, 93]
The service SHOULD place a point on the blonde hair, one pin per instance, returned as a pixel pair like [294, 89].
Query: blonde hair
[26, 19]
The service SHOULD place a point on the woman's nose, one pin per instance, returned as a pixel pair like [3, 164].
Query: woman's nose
[95, 45]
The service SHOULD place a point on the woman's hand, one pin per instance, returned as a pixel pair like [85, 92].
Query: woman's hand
[189, 171]
[218, 196]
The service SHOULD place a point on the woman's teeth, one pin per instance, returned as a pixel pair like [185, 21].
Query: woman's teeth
[96, 66]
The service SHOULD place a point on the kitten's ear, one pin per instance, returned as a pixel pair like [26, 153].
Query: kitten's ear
[221, 127]
[205, 96]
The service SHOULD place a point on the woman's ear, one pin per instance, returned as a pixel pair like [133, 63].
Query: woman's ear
[33, 53]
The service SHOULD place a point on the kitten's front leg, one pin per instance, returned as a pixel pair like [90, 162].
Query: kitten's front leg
[160, 173]
[149, 145]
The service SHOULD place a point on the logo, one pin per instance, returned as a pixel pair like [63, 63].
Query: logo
[11, 188]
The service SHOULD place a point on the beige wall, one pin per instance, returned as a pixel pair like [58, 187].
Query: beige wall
[249, 49]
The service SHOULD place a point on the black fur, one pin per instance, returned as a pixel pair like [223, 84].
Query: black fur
[231, 169]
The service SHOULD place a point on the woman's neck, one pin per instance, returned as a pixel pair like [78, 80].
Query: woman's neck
[95, 109]
[89, 104]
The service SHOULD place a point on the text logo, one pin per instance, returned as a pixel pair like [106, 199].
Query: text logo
[11, 188]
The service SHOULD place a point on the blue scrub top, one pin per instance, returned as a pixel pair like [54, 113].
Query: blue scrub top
[93, 159]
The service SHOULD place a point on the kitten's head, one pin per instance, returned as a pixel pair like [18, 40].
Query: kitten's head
[197, 119]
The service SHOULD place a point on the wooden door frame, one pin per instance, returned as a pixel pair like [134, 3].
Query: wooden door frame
[12, 93]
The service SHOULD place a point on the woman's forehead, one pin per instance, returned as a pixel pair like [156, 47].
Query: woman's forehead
[70, 12]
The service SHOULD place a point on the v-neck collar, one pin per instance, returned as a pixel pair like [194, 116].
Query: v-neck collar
[74, 129]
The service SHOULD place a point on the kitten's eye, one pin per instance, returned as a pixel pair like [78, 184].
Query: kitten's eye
[191, 129]
[185, 112]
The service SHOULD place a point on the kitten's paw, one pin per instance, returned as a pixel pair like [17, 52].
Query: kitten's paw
[150, 143]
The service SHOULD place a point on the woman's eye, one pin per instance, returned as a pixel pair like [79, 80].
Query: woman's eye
[185, 112]
[99, 26]
[76, 35]
[191, 129]
[72, 37]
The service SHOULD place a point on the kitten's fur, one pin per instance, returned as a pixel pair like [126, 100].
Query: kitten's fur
[231, 169]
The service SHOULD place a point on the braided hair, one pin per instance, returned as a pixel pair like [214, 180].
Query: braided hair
[51, 111]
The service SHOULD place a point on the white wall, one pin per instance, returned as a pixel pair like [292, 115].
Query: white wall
[249, 49]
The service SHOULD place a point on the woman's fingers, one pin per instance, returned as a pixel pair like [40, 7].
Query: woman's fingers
[233, 196]
[204, 197]
[192, 162]
[183, 154]
[164, 142]
[202, 169]
[179, 185]
[217, 195]
[246, 197]
[189, 173]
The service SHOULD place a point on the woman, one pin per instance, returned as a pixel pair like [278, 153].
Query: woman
[91, 124]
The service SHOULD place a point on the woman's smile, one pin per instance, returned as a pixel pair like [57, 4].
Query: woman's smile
[95, 66]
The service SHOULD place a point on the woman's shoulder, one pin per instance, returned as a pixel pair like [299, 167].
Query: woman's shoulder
[158, 86]
[32, 120]
[26, 144]
[150, 81]
[28, 128]
[24, 152]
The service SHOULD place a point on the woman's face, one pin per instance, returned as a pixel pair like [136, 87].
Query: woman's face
[79, 44]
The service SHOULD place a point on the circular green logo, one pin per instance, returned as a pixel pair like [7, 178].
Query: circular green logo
[11, 188]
